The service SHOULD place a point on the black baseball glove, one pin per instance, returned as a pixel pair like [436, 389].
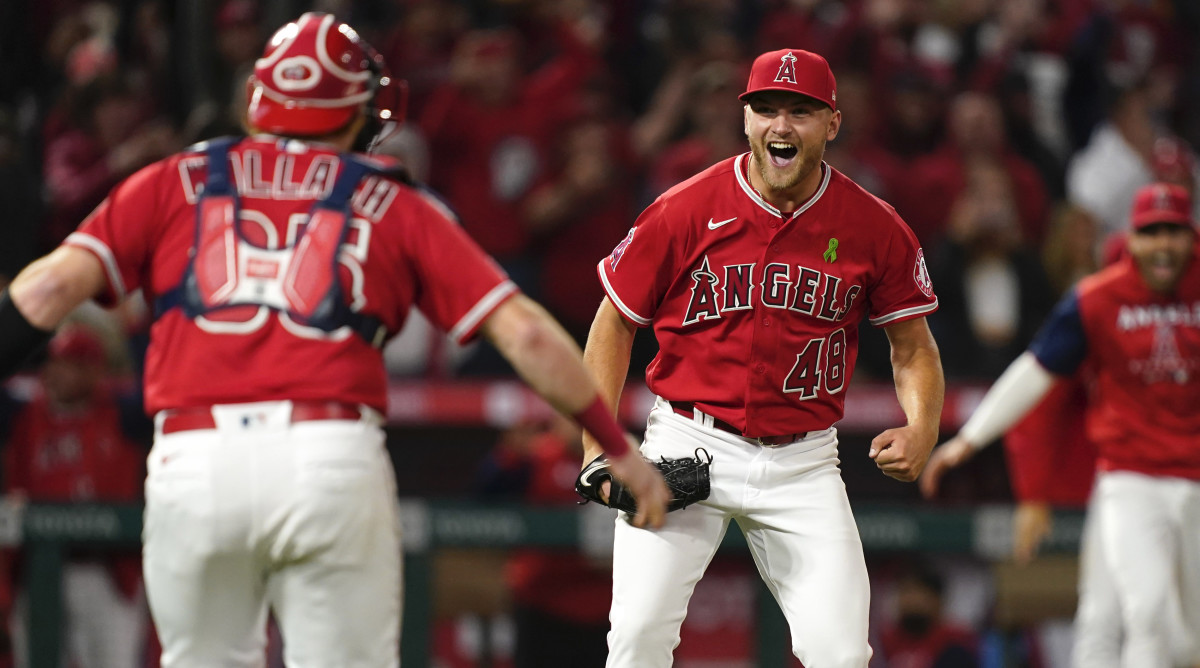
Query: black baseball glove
[686, 477]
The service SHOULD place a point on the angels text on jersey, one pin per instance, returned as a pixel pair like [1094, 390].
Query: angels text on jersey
[795, 288]
[1166, 362]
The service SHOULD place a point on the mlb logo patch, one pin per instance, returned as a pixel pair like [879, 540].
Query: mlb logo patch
[619, 251]
[921, 275]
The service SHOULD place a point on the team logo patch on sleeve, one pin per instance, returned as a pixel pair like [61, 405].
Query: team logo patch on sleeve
[619, 251]
[921, 275]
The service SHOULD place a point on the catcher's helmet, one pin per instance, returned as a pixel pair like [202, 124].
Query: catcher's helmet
[314, 76]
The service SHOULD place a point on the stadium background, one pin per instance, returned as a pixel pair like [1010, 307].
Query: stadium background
[1010, 134]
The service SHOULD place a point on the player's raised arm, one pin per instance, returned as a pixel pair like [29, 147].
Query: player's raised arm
[901, 452]
[1019, 389]
[40, 297]
[549, 361]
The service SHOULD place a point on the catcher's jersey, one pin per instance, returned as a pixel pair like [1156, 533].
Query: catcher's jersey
[1144, 349]
[403, 249]
[756, 312]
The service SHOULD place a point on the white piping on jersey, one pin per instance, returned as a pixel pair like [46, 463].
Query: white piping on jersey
[612, 295]
[757, 199]
[106, 258]
[480, 310]
[904, 313]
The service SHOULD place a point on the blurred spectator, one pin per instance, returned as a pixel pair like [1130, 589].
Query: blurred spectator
[916, 110]
[489, 129]
[857, 152]
[1019, 48]
[992, 290]
[976, 134]
[1123, 44]
[812, 25]
[66, 445]
[586, 208]
[920, 637]
[108, 139]
[561, 598]
[714, 127]
[420, 46]
[238, 43]
[1118, 159]
[1069, 252]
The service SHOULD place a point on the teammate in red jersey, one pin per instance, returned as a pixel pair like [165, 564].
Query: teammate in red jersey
[278, 265]
[1136, 326]
[755, 275]
[67, 446]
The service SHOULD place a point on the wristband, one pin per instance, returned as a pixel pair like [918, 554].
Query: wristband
[19, 339]
[598, 422]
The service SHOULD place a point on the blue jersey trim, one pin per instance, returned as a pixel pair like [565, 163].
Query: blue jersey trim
[1061, 344]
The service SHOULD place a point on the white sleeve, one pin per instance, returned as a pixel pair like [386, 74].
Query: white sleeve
[1019, 388]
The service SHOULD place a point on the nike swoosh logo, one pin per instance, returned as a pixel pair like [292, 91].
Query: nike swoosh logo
[713, 226]
[585, 478]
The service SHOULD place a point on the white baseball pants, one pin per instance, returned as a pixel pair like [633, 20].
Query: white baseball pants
[262, 512]
[1098, 613]
[790, 503]
[103, 628]
[1150, 533]
[1098, 625]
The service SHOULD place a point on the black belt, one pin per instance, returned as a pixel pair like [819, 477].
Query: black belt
[687, 409]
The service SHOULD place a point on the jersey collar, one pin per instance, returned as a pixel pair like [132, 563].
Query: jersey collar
[741, 167]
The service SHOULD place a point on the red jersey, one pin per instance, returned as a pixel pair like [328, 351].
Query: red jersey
[81, 455]
[565, 583]
[1050, 458]
[1144, 348]
[402, 249]
[756, 311]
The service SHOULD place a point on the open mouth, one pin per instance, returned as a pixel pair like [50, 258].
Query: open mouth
[781, 153]
[1162, 267]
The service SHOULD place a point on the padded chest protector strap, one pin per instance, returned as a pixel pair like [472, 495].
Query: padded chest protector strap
[214, 268]
[311, 292]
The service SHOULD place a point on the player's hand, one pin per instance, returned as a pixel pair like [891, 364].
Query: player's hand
[647, 485]
[1031, 524]
[951, 454]
[901, 453]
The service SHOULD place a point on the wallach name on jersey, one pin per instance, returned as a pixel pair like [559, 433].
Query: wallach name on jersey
[276, 180]
[1139, 316]
[807, 291]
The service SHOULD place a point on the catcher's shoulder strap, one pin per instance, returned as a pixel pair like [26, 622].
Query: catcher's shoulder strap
[300, 280]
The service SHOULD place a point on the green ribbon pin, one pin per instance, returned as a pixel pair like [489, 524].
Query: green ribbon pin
[831, 252]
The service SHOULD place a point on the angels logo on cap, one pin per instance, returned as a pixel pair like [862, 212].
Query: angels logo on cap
[793, 71]
[1161, 203]
[787, 71]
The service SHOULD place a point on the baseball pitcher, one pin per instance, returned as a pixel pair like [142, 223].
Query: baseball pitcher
[755, 274]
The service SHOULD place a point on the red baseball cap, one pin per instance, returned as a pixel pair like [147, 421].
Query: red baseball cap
[1161, 203]
[77, 343]
[793, 71]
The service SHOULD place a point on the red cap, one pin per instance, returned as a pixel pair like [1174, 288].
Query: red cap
[1161, 203]
[77, 343]
[793, 71]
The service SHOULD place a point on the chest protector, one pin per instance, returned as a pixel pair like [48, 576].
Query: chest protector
[300, 280]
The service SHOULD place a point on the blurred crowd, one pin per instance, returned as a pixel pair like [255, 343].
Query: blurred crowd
[1009, 134]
